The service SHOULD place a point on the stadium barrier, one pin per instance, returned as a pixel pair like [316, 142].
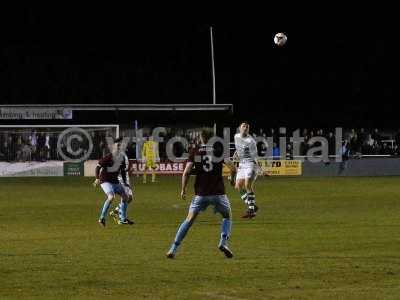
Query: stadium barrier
[372, 166]
[23, 169]
[389, 166]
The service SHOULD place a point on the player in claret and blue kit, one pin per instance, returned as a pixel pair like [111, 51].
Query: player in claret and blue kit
[107, 171]
[207, 162]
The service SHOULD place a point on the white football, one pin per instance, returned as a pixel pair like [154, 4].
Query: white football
[280, 39]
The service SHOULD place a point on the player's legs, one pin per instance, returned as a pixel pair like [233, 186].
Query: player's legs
[145, 174]
[150, 166]
[199, 203]
[153, 173]
[119, 189]
[245, 179]
[240, 180]
[223, 206]
[240, 184]
[115, 213]
[251, 197]
[108, 190]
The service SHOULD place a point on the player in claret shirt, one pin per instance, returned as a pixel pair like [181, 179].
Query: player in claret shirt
[107, 171]
[207, 162]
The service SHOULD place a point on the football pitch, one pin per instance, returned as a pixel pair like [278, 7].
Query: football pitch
[313, 238]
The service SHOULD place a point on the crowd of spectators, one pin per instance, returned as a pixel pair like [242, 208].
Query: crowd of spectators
[356, 142]
[41, 145]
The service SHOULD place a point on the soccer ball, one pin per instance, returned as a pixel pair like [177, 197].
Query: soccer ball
[280, 39]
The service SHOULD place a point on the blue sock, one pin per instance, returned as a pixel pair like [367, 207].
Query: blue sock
[105, 208]
[225, 231]
[122, 210]
[180, 234]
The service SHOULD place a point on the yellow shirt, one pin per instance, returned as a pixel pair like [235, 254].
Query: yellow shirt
[149, 149]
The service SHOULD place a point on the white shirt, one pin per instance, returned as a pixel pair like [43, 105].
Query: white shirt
[33, 139]
[47, 141]
[126, 160]
[246, 148]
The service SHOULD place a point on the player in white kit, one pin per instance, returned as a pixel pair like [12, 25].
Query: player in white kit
[246, 153]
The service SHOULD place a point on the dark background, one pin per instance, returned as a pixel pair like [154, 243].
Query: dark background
[332, 72]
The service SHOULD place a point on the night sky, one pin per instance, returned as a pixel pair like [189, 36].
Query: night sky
[328, 74]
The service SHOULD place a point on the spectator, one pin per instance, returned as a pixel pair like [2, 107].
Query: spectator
[6, 149]
[331, 144]
[53, 146]
[362, 136]
[33, 143]
[310, 143]
[385, 150]
[46, 146]
[345, 152]
[397, 137]
[354, 145]
[289, 152]
[395, 150]
[26, 153]
[275, 151]
[368, 145]
[376, 148]
[262, 149]
[41, 141]
[376, 136]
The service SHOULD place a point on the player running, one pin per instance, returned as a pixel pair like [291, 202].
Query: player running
[107, 171]
[149, 155]
[209, 190]
[116, 212]
[246, 152]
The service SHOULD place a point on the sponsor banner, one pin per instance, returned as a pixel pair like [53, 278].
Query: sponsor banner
[162, 168]
[23, 169]
[89, 167]
[73, 169]
[11, 113]
[281, 167]
[275, 168]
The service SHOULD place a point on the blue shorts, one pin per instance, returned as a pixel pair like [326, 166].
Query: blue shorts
[113, 188]
[220, 202]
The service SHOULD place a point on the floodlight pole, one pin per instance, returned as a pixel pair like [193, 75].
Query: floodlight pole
[213, 73]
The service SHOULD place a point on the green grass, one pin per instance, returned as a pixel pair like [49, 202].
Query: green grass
[331, 238]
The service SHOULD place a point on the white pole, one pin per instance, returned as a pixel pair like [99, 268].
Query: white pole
[213, 73]
[212, 65]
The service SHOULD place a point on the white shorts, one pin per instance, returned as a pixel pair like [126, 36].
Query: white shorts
[247, 171]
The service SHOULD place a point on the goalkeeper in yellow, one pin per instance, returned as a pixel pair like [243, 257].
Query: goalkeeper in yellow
[149, 157]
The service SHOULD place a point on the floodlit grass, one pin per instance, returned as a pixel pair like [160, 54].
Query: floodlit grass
[329, 238]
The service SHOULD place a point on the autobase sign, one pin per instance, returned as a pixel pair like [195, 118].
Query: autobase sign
[160, 167]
